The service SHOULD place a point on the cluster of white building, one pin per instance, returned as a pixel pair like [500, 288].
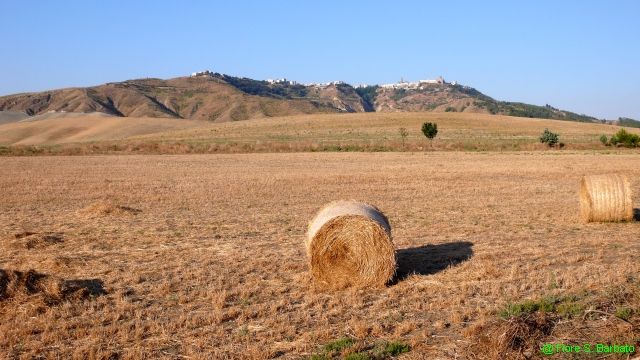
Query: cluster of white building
[282, 81]
[416, 84]
[202, 73]
[323, 85]
[399, 85]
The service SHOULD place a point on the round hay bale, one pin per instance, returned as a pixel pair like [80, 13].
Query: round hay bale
[349, 244]
[605, 198]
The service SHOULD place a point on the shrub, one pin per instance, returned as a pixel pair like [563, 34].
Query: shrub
[403, 134]
[604, 140]
[613, 141]
[566, 307]
[549, 138]
[357, 356]
[430, 130]
[338, 345]
[450, 109]
[396, 348]
[624, 313]
[625, 138]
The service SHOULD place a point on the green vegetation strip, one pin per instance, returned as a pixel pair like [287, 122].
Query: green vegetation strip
[350, 349]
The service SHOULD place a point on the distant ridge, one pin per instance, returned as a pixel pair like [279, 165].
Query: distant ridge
[219, 97]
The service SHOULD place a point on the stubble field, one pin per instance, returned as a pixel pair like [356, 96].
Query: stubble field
[201, 256]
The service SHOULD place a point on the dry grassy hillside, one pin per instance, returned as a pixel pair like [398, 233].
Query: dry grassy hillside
[220, 97]
[196, 98]
[202, 257]
[380, 131]
[318, 132]
[85, 128]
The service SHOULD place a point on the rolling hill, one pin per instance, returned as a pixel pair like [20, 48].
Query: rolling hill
[99, 134]
[220, 98]
[212, 98]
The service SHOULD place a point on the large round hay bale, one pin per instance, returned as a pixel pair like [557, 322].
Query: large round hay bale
[349, 244]
[605, 198]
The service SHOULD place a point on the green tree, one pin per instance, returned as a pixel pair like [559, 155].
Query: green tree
[549, 138]
[430, 130]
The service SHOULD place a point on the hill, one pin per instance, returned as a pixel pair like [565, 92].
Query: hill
[318, 132]
[380, 132]
[219, 98]
[214, 98]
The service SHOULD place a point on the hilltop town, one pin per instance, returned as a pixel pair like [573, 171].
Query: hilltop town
[399, 85]
[212, 96]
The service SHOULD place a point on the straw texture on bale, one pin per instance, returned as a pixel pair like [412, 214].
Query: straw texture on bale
[605, 198]
[349, 244]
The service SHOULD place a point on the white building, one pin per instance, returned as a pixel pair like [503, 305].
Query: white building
[413, 85]
[281, 81]
[438, 80]
[202, 73]
[324, 85]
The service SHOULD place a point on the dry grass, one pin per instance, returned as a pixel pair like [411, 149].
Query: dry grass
[213, 265]
[349, 244]
[318, 133]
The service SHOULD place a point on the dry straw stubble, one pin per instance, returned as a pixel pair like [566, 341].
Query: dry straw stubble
[606, 198]
[349, 244]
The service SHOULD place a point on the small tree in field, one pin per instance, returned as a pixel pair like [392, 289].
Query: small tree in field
[430, 130]
[403, 134]
[604, 140]
[549, 138]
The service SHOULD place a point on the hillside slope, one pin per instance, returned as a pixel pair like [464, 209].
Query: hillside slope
[383, 128]
[199, 98]
[458, 98]
[219, 98]
[325, 132]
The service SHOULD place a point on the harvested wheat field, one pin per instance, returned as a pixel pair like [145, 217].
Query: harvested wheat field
[203, 256]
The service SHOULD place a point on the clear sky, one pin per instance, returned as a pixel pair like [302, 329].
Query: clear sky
[582, 56]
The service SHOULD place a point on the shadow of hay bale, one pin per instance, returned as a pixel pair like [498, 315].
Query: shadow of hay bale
[32, 240]
[636, 214]
[431, 259]
[82, 287]
[14, 283]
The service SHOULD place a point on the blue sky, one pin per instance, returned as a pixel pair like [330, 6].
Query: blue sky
[582, 56]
